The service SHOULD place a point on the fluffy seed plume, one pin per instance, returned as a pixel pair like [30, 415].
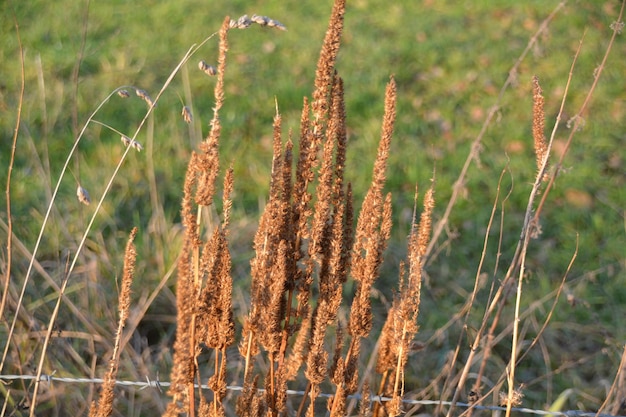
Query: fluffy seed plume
[208, 69]
[83, 195]
[617, 27]
[515, 400]
[208, 158]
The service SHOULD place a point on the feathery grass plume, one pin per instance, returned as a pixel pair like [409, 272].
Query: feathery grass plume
[318, 242]
[250, 403]
[372, 233]
[365, 404]
[337, 368]
[300, 212]
[373, 227]
[204, 312]
[337, 403]
[215, 271]
[326, 67]
[105, 402]
[208, 157]
[401, 325]
[268, 322]
[343, 234]
[215, 327]
[182, 373]
[297, 355]
[186, 113]
[541, 147]
[83, 195]
[327, 245]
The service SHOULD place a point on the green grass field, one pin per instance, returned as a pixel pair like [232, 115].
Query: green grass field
[450, 60]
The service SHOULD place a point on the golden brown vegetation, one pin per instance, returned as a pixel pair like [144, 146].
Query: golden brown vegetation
[308, 245]
[306, 248]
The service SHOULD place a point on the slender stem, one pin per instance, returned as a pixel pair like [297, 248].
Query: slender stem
[18, 120]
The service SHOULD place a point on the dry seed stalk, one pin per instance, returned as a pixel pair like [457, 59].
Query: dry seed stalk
[407, 303]
[209, 158]
[541, 147]
[105, 403]
[326, 66]
[204, 293]
[182, 373]
[373, 227]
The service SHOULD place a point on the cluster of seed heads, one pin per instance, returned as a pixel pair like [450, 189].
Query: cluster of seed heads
[244, 22]
[123, 93]
[208, 69]
[142, 94]
[131, 142]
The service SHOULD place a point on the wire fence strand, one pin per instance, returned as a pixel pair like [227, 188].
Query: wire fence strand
[157, 384]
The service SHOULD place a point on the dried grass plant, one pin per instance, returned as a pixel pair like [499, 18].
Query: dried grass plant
[309, 244]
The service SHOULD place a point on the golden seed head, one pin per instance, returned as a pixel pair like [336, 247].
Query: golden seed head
[83, 195]
[186, 113]
[123, 93]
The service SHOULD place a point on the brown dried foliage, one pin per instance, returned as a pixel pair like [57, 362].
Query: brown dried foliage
[105, 403]
[305, 250]
[204, 283]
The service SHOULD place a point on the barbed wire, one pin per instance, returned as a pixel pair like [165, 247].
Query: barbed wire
[157, 384]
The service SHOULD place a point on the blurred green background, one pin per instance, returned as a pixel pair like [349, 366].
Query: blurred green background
[450, 60]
